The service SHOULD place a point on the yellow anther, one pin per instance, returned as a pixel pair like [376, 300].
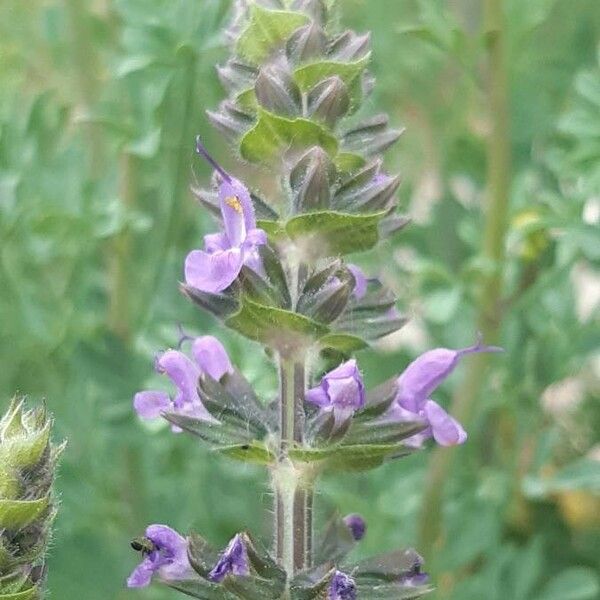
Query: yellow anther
[235, 203]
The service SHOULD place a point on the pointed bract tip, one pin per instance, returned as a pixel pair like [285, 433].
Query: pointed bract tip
[480, 346]
[202, 151]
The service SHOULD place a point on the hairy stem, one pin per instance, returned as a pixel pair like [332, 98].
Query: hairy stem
[293, 491]
[495, 229]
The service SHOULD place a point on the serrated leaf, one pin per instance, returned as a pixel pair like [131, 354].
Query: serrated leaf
[307, 76]
[273, 135]
[391, 591]
[359, 457]
[274, 326]
[266, 30]
[16, 514]
[335, 233]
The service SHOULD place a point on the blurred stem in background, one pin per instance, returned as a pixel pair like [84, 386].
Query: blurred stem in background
[490, 295]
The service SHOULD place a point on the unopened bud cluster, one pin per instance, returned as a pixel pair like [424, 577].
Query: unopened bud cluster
[27, 508]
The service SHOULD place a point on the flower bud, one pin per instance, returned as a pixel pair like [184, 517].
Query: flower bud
[310, 180]
[236, 75]
[377, 195]
[329, 100]
[233, 561]
[371, 136]
[329, 302]
[342, 587]
[277, 92]
[391, 225]
[315, 9]
[306, 43]
[357, 526]
[230, 120]
[349, 46]
[27, 467]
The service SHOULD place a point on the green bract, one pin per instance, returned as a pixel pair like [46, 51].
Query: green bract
[28, 462]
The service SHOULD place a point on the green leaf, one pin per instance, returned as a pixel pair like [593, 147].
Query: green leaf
[577, 583]
[16, 514]
[358, 457]
[307, 76]
[582, 474]
[255, 453]
[202, 589]
[343, 342]
[30, 594]
[274, 326]
[273, 135]
[25, 451]
[335, 233]
[266, 30]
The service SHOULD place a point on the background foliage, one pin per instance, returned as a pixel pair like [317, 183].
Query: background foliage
[100, 101]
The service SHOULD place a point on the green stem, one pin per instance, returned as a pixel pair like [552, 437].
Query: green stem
[293, 490]
[490, 299]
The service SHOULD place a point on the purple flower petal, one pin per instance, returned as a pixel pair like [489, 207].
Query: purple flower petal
[357, 526]
[234, 561]
[446, 430]
[141, 575]
[211, 357]
[214, 272]
[342, 587]
[182, 372]
[360, 286]
[425, 373]
[150, 404]
[233, 215]
[168, 559]
[213, 242]
[236, 189]
[318, 396]
[341, 391]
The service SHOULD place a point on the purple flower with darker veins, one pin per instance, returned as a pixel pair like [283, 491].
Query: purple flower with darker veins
[341, 391]
[164, 553]
[415, 385]
[216, 267]
[342, 587]
[210, 358]
[357, 526]
[234, 561]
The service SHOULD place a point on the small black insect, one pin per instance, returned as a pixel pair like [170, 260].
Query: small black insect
[143, 545]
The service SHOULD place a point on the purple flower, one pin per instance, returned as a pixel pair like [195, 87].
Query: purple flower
[360, 286]
[415, 385]
[234, 561]
[341, 391]
[357, 526]
[209, 358]
[216, 267]
[342, 587]
[166, 555]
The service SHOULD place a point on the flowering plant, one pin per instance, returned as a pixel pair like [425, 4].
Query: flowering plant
[276, 273]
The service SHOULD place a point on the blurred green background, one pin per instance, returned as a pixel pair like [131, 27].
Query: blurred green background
[100, 101]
